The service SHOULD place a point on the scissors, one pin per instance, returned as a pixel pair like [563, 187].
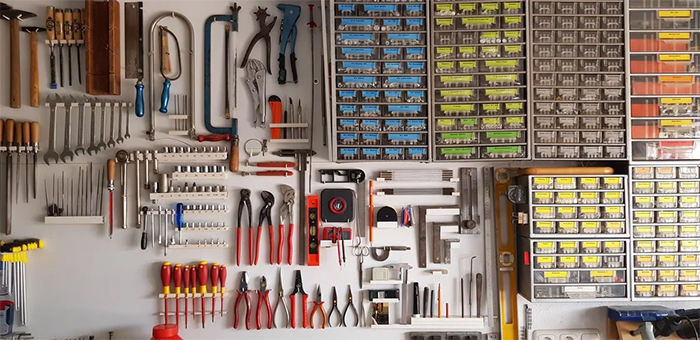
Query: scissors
[361, 253]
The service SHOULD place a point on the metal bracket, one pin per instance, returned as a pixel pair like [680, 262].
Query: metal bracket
[469, 201]
[447, 249]
[342, 176]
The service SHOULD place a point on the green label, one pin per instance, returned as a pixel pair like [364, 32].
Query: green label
[444, 22]
[514, 120]
[490, 107]
[500, 134]
[455, 79]
[458, 135]
[467, 64]
[467, 49]
[503, 149]
[501, 63]
[467, 7]
[463, 107]
[445, 64]
[511, 5]
[513, 20]
[514, 106]
[468, 121]
[513, 34]
[490, 35]
[513, 48]
[501, 92]
[445, 122]
[501, 77]
[490, 6]
[444, 7]
[458, 151]
[479, 21]
[455, 93]
[490, 49]
[445, 50]
[491, 121]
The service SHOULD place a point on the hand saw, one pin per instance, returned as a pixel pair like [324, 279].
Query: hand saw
[133, 57]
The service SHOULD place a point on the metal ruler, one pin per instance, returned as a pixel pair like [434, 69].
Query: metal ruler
[468, 201]
[498, 207]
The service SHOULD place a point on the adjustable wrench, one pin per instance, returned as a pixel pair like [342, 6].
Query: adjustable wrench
[120, 139]
[81, 119]
[68, 102]
[51, 153]
[92, 148]
[102, 145]
[110, 142]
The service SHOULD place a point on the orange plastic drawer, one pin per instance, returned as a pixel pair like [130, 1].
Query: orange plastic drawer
[645, 110]
[645, 131]
[641, 89]
[658, 67]
[653, 45]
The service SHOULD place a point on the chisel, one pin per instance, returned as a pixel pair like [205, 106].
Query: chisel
[9, 137]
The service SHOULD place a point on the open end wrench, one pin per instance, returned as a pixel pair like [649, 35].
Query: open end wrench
[51, 153]
[68, 102]
[102, 145]
[92, 148]
[123, 159]
[81, 120]
[110, 142]
[127, 135]
[120, 138]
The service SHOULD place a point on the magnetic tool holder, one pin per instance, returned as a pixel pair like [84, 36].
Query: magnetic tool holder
[151, 62]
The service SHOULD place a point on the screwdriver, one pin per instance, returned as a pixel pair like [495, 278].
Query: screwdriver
[193, 276]
[214, 284]
[186, 277]
[111, 168]
[34, 134]
[166, 277]
[203, 276]
[222, 282]
[177, 277]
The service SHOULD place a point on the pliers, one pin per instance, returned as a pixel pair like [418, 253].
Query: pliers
[244, 202]
[242, 294]
[264, 295]
[255, 79]
[299, 289]
[286, 216]
[280, 299]
[288, 36]
[261, 15]
[334, 308]
[266, 213]
[350, 306]
[318, 305]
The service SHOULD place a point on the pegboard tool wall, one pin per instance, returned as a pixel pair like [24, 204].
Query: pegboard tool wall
[84, 283]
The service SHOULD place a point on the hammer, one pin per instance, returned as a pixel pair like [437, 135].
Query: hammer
[14, 16]
[34, 64]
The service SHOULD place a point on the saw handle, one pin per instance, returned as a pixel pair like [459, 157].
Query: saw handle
[138, 105]
[234, 161]
[214, 138]
[164, 97]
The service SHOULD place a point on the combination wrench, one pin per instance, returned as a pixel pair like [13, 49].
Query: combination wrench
[102, 145]
[123, 159]
[120, 139]
[110, 142]
[81, 119]
[68, 102]
[92, 148]
[127, 135]
[51, 153]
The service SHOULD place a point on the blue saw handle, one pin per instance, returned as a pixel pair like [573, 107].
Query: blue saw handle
[165, 97]
[139, 99]
[179, 212]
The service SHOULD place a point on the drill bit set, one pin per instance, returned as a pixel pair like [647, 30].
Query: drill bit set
[64, 27]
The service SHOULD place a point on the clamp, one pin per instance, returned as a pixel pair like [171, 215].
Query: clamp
[255, 78]
[261, 15]
[288, 36]
[266, 213]
[244, 202]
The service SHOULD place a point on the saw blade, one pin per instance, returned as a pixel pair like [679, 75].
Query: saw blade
[133, 40]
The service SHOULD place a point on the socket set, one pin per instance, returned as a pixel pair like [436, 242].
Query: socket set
[665, 230]
[573, 269]
[380, 73]
[590, 206]
[663, 49]
[478, 73]
[578, 79]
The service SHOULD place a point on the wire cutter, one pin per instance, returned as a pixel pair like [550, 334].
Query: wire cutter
[286, 216]
[280, 299]
[243, 293]
[318, 305]
[266, 213]
[334, 308]
[350, 306]
[261, 15]
[288, 36]
[299, 289]
[244, 202]
[255, 79]
[263, 295]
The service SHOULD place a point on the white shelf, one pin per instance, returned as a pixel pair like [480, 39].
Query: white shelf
[192, 156]
[198, 175]
[385, 282]
[197, 246]
[385, 301]
[189, 296]
[73, 220]
[188, 196]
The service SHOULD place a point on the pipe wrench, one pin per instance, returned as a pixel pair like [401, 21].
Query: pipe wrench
[255, 78]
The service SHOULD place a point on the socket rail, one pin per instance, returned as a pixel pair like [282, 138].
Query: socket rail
[380, 81]
[578, 79]
[479, 87]
[664, 37]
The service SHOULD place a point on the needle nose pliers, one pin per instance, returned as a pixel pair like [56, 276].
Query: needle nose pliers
[243, 293]
[318, 306]
[244, 203]
[334, 308]
[261, 15]
[280, 300]
[350, 306]
[266, 213]
[264, 296]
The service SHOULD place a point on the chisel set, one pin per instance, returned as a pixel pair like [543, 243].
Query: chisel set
[65, 27]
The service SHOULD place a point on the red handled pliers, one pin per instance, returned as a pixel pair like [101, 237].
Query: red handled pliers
[243, 293]
[264, 295]
[286, 216]
[266, 213]
[244, 203]
[299, 289]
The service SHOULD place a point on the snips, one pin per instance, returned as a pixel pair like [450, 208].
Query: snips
[261, 16]
[255, 79]
[243, 294]
[266, 213]
[280, 300]
[244, 203]
[299, 289]
[286, 216]
[263, 296]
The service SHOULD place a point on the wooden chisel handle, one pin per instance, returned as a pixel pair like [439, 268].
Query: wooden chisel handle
[25, 133]
[50, 23]
[77, 24]
[68, 24]
[34, 135]
[9, 132]
[58, 20]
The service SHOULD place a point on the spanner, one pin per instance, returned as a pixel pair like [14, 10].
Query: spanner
[120, 139]
[68, 102]
[51, 152]
[92, 148]
[123, 159]
[81, 119]
[110, 142]
[102, 145]
[127, 135]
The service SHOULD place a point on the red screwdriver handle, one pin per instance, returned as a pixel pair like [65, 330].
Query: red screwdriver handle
[304, 311]
[280, 245]
[177, 278]
[289, 243]
[203, 276]
[257, 244]
[276, 165]
[193, 276]
[214, 285]
[251, 247]
[293, 307]
[214, 138]
[272, 173]
[222, 282]
[186, 278]
[166, 278]
[271, 232]
[238, 246]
